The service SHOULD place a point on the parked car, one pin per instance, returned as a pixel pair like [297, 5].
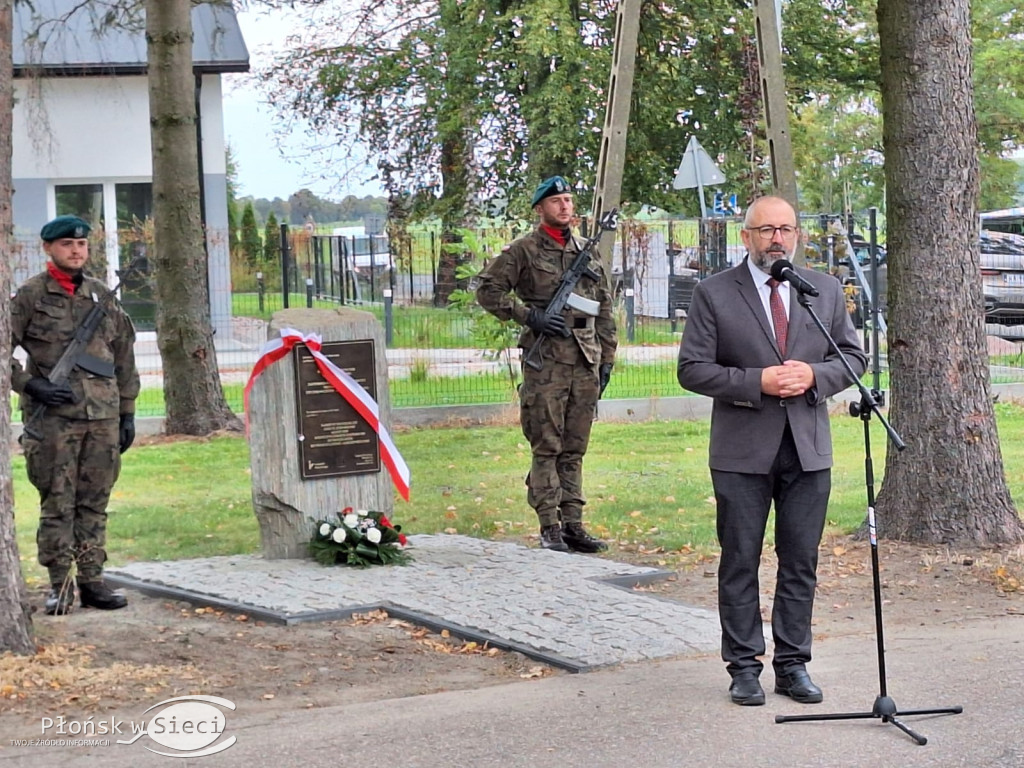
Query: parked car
[1002, 276]
[862, 250]
[1002, 279]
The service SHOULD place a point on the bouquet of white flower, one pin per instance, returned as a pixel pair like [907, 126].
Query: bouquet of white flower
[358, 537]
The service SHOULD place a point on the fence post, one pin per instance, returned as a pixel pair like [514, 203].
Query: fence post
[433, 260]
[318, 265]
[338, 249]
[630, 317]
[389, 319]
[373, 268]
[285, 256]
[670, 252]
[391, 267]
[355, 266]
[412, 278]
[309, 293]
[261, 289]
[329, 247]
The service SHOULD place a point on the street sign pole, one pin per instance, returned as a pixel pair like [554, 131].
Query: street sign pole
[700, 181]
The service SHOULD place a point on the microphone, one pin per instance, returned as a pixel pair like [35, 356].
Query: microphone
[783, 271]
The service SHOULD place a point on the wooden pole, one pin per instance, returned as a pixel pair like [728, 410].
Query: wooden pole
[776, 112]
[612, 159]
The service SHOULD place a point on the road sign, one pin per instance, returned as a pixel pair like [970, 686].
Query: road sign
[697, 169]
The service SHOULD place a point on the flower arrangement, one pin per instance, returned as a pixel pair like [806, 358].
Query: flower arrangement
[360, 538]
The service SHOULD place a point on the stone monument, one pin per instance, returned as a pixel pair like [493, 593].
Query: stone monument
[312, 454]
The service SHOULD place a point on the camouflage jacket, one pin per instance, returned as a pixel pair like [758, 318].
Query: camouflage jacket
[43, 321]
[526, 274]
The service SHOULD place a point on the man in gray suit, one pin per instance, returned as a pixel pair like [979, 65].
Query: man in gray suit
[752, 347]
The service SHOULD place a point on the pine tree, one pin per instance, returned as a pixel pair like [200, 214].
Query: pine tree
[232, 226]
[272, 240]
[252, 243]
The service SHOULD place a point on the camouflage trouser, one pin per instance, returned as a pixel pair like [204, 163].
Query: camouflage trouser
[74, 466]
[556, 413]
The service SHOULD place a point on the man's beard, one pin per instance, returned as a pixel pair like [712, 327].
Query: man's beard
[763, 260]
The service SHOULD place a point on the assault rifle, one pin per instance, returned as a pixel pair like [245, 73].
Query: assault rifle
[75, 356]
[565, 295]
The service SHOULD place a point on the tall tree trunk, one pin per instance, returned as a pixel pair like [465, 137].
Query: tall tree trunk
[452, 207]
[192, 390]
[15, 616]
[948, 486]
[453, 124]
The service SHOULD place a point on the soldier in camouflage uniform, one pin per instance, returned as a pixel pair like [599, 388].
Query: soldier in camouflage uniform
[74, 457]
[557, 403]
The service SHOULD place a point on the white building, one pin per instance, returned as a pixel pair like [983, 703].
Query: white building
[82, 138]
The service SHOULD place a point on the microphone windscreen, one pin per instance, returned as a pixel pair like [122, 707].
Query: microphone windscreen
[778, 267]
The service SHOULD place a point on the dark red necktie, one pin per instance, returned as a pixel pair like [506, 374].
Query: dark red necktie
[779, 319]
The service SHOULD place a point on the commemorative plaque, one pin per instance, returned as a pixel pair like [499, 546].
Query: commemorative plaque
[334, 439]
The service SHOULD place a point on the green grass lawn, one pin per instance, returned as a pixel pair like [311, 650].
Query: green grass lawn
[430, 327]
[647, 484]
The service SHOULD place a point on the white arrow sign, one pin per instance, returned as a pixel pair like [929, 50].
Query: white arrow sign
[697, 169]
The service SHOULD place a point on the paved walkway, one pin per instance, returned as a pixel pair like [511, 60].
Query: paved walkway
[572, 611]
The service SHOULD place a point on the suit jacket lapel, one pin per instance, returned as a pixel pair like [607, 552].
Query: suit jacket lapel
[751, 297]
[797, 319]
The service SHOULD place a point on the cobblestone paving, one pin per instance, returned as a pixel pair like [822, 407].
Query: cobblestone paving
[573, 611]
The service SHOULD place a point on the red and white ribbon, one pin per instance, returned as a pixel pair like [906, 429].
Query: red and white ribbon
[353, 392]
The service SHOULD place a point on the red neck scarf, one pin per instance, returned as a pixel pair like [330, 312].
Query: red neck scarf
[62, 278]
[558, 235]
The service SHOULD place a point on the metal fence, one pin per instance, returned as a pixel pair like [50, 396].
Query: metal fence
[437, 354]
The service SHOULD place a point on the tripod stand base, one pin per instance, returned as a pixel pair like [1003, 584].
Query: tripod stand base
[884, 709]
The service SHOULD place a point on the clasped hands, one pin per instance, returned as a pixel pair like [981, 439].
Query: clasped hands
[791, 379]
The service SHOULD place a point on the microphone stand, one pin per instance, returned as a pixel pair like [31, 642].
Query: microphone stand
[884, 707]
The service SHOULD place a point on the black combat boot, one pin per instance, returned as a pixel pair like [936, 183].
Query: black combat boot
[577, 539]
[61, 599]
[551, 538]
[96, 594]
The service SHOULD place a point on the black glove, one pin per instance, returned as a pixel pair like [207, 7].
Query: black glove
[548, 326]
[604, 375]
[126, 431]
[46, 393]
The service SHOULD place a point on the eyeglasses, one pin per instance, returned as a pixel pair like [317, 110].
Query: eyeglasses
[767, 232]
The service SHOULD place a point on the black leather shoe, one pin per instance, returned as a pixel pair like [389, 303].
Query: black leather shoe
[96, 594]
[746, 691]
[578, 540]
[60, 600]
[551, 538]
[798, 686]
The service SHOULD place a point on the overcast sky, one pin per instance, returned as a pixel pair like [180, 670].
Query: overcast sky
[264, 170]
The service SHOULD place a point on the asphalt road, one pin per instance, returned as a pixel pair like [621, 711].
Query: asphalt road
[671, 713]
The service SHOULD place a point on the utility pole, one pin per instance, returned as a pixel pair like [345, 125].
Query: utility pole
[612, 159]
[773, 94]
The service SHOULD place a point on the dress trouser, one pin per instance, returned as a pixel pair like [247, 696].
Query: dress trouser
[801, 502]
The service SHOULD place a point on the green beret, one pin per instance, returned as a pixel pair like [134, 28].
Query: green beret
[554, 185]
[64, 226]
